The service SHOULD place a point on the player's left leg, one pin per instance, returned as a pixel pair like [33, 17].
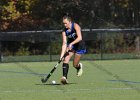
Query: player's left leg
[78, 65]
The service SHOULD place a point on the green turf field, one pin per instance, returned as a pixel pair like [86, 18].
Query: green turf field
[102, 80]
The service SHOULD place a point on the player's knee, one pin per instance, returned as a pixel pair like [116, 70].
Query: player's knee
[75, 65]
[66, 61]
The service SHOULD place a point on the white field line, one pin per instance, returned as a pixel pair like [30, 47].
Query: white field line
[66, 90]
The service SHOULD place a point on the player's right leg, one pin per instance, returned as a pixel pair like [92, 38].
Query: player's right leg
[66, 68]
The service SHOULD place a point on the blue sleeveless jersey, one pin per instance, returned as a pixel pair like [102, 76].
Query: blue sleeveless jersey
[79, 47]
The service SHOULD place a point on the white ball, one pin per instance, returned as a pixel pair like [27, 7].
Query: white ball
[53, 82]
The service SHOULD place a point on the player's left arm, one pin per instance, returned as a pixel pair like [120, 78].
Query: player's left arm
[78, 32]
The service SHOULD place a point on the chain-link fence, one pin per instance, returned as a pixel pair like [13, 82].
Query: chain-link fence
[46, 45]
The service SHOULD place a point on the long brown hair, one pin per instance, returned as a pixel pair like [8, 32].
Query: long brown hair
[68, 17]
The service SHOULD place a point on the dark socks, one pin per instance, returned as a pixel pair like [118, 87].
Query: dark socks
[65, 69]
[78, 67]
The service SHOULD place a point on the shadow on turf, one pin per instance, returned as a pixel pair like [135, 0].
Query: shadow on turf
[55, 84]
[16, 72]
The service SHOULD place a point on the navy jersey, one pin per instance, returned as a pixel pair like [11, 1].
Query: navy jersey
[71, 36]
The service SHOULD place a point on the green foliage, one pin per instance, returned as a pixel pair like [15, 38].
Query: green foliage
[55, 47]
[26, 15]
[47, 14]
[23, 50]
[15, 9]
[9, 11]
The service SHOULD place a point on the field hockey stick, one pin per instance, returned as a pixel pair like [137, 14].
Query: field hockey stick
[45, 79]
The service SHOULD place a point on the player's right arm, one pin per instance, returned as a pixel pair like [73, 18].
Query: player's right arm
[64, 44]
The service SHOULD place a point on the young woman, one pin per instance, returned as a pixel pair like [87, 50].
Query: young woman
[74, 44]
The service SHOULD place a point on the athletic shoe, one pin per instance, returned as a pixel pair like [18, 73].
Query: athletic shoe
[80, 71]
[64, 80]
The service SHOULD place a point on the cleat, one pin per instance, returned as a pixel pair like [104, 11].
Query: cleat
[64, 80]
[80, 71]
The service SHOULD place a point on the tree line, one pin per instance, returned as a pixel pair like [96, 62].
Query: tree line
[32, 15]
[23, 15]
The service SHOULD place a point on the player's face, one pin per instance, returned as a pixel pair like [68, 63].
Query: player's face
[67, 23]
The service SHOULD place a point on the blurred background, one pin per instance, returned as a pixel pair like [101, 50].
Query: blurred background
[25, 15]
[110, 27]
